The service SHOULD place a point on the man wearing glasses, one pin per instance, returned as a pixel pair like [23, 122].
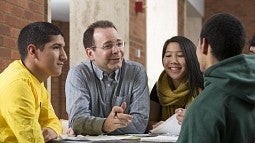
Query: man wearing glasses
[106, 94]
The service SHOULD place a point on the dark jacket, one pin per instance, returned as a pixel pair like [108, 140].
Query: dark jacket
[225, 110]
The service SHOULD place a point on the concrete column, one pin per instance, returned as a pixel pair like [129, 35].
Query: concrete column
[161, 25]
[85, 12]
[193, 19]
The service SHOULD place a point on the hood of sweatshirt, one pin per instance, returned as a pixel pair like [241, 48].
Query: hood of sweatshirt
[235, 75]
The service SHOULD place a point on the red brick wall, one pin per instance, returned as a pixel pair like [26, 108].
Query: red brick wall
[14, 15]
[137, 33]
[58, 83]
[242, 9]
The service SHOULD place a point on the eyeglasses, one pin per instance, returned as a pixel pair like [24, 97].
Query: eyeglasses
[109, 45]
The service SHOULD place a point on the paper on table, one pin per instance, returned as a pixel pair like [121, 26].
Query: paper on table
[160, 138]
[170, 126]
[95, 138]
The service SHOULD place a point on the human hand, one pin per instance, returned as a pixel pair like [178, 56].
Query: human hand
[48, 134]
[117, 119]
[69, 132]
[157, 124]
[180, 112]
[66, 130]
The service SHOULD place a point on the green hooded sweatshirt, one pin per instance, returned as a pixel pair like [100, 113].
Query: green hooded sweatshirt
[224, 112]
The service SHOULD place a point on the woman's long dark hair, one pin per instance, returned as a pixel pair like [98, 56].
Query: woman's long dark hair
[194, 75]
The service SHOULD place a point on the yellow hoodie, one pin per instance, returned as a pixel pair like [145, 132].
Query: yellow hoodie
[25, 106]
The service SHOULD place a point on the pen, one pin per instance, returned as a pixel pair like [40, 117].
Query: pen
[115, 115]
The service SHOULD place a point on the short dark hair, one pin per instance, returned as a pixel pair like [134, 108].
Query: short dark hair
[226, 35]
[88, 40]
[37, 33]
[194, 75]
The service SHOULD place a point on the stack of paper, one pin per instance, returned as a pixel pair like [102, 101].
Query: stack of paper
[160, 138]
[168, 131]
[170, 127]
[95, 138]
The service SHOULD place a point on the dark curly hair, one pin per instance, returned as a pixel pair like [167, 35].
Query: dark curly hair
[252, 41]
[226, 35]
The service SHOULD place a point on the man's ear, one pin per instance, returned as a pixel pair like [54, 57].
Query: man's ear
[90, 53]
[32, 51]
[204, 46]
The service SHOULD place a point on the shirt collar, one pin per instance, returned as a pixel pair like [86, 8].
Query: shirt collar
[100, 74]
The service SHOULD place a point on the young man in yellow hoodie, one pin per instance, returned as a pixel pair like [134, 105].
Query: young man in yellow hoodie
[26, 114]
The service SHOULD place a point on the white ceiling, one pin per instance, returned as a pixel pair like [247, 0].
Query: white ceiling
[60, 10]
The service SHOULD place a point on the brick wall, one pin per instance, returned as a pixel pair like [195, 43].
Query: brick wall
[14, 15]
[58, 83]
[242, 9]
[137, 33]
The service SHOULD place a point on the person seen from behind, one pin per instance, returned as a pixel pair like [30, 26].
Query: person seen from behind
[224, 112]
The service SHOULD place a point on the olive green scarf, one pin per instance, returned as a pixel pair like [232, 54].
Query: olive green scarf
[172, 99]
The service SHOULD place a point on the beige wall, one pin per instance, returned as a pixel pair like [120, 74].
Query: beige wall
[193, 19]
[192, 28]
[85, 12]
[162, 24]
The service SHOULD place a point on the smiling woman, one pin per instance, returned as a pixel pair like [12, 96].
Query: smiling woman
[179, 83]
